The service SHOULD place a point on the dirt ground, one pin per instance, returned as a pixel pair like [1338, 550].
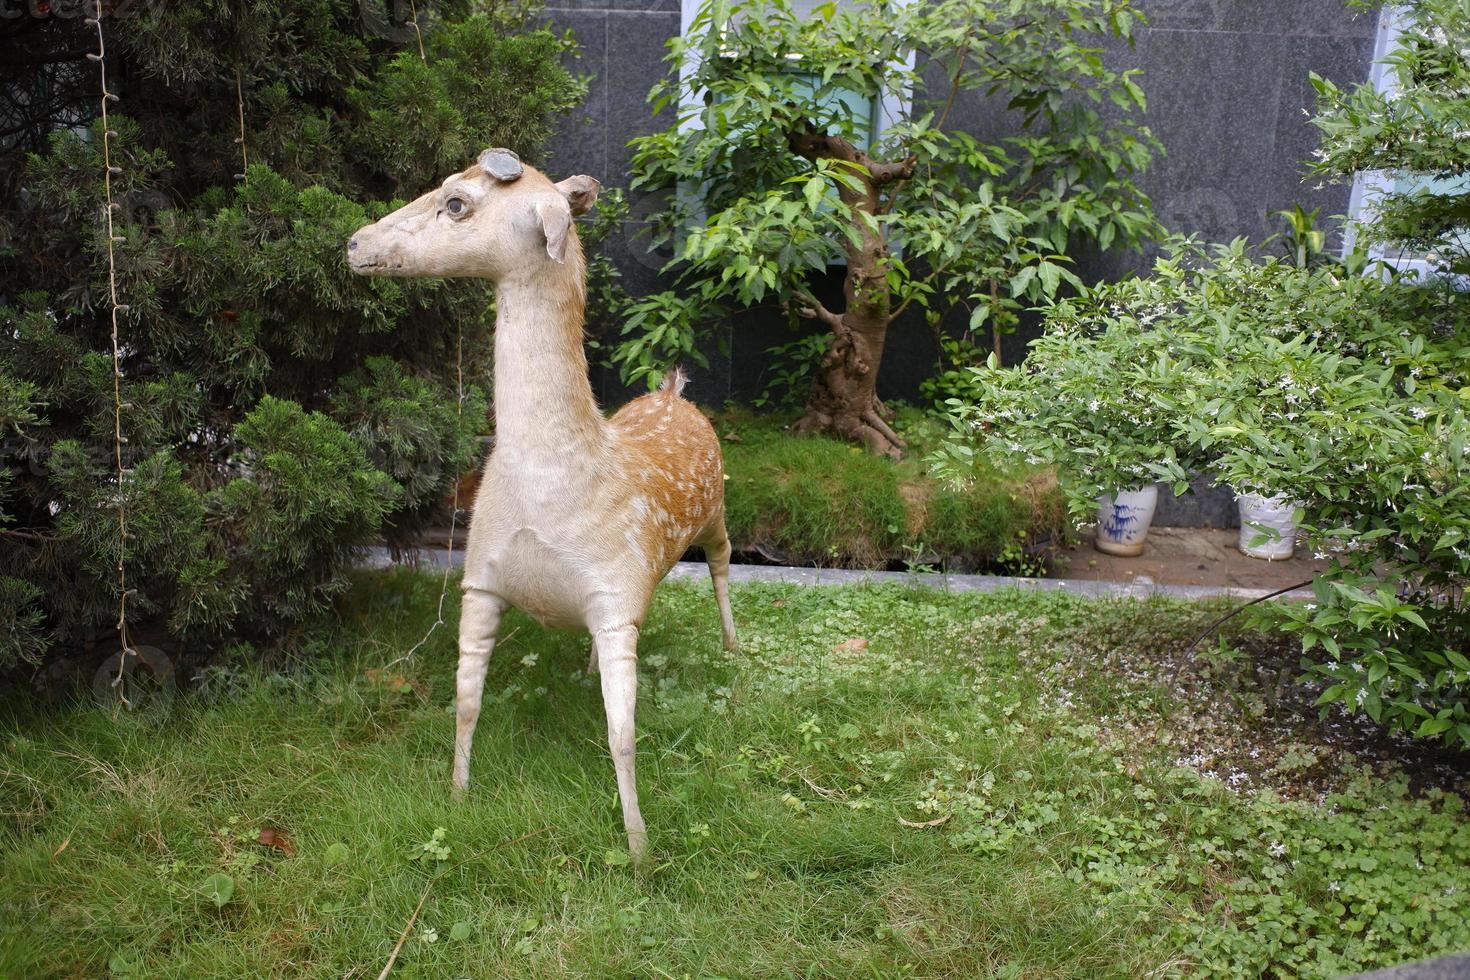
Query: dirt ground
[1185, 556]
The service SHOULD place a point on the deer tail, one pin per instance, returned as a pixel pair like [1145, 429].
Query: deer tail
[674, 380]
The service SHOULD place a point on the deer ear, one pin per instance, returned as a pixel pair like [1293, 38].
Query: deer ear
[556, 222]
[580, 192]
[501, 164]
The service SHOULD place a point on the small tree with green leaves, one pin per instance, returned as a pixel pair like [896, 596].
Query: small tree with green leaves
[1415, 132]
[805, 141]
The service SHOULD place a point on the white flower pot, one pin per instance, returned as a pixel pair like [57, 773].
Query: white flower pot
[1123, 520]
[1271, 516]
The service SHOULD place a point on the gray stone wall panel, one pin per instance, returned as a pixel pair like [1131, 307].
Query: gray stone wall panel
[1227, 82]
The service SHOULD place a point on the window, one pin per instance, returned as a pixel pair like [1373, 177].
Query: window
[868, 116]
[879, 112]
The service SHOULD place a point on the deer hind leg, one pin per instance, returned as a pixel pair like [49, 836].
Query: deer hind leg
[479, 619]
[717, 556]
[617, 656]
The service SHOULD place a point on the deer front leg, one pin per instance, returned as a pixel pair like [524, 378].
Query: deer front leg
[617, 657]
[479, 619]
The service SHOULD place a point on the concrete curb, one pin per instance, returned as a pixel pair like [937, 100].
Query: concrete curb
[435, 557]
[1455, 967]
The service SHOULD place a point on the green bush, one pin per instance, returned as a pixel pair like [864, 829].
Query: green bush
[815, 498]
[1343, 391]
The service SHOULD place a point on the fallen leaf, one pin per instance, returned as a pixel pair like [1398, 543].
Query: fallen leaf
[924, 823]
[61, 847]
[853, 645]
[277, 838]
[218, 888]
[393, 682]
[396, 683]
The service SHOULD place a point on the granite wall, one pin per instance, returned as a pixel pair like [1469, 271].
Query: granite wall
[1227, 86]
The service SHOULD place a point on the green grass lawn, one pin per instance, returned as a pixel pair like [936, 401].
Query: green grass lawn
[782, 788]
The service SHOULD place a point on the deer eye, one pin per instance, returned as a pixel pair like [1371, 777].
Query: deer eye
[455, 206]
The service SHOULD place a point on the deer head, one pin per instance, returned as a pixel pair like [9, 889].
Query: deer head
[496, 220]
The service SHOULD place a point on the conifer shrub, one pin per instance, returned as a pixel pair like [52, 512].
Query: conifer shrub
[279, 412]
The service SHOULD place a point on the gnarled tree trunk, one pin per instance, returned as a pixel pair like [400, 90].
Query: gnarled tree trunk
[844, 400]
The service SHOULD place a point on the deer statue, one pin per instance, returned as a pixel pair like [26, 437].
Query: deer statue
[578, 516]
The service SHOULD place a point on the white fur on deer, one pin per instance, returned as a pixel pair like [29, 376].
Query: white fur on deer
[579, 517]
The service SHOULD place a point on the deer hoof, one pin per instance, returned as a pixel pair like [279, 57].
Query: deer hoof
[638, 848]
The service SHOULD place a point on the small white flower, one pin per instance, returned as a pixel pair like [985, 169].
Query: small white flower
[1276, 849]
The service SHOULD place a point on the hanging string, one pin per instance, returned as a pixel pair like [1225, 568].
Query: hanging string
[240, 108]
[459, 420]
[414, 10]
[117, 403]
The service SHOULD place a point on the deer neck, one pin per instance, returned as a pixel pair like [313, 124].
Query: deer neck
[543, 399]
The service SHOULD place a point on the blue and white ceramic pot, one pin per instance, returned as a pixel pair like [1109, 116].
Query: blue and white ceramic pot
[1123, 520]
